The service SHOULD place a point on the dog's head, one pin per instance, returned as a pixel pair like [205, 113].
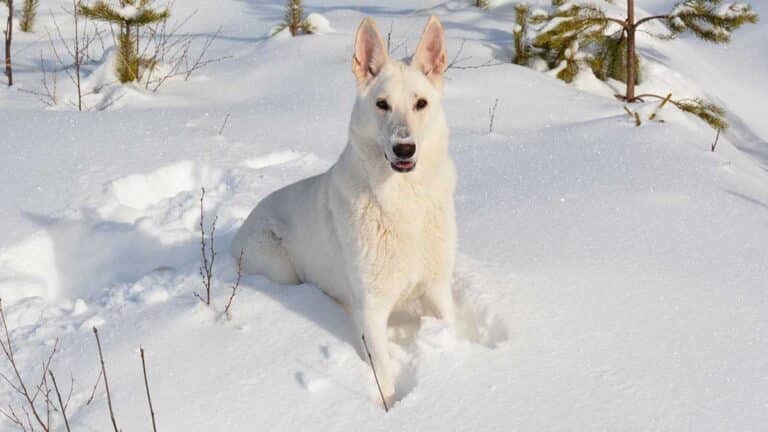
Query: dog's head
[398, 106]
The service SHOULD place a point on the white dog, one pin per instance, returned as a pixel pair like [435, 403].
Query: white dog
[378, 228]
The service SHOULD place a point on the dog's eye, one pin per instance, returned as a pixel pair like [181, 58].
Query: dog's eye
[382, 104]
[420, 104]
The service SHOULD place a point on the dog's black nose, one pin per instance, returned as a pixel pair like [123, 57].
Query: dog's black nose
[404, 151]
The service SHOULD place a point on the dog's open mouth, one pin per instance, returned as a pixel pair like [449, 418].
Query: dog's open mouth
[403, 166]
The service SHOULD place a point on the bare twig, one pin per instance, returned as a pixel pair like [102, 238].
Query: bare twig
[71, 389]
[19, 386]
[13, 417]
[95, 386]
[375, 376]
[82, 43]
[62, 405]
[106, 382]
[237, 284]
[224, 124]
[46, 366]
[199, 63]
[456, 58]
[492, 115]
[206, 270]
[49, 96]
[47, 404]
[717, 138]
[146, 386]
[489, 63]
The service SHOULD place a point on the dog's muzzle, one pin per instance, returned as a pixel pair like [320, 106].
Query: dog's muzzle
[404, 151]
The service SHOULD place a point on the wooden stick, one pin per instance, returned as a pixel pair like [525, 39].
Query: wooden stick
[106, 382]
[224, 124]
[237, 284]
[21, 387]
[375, 376]
[146, 386]
[492, 115]
[717, 138]
[95, 386]
[61, 403]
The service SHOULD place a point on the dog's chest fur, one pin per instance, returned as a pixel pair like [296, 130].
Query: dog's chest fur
[406, 233]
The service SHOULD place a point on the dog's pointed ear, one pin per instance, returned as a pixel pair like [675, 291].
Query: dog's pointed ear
[430, 55]
[370, 53]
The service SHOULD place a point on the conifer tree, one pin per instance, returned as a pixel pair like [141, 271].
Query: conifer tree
[28, 15]
[130, 15]
[522, 47]
[294, 19]
[8, 32]
[614, 54]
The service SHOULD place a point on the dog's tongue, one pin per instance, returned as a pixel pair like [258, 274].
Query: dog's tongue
[404, 164]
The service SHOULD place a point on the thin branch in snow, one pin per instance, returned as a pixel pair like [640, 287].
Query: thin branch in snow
[95, 386]
[375, 376]
[20, 387]
[106, 382]
[456, 58]
[224, 124]
[206, 270]
[236, 285]
[717, 138]
[62, 405]
[492, 115]
[146, 386]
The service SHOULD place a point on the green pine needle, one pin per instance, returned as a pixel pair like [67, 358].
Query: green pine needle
[28, 15]
[129, 62]
[713, 114]
[710, 20]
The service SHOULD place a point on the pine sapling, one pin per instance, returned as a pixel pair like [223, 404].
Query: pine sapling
[28, 15]
[573, 35]
[294, 20]
[522, 47]
[613, 53]
[130, 15]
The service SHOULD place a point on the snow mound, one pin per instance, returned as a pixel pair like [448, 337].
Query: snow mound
[318, 23]
[139, 191]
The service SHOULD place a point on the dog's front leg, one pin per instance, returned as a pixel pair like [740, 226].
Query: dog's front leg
[372, 322]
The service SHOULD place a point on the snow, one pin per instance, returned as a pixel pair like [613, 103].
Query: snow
[319, 24]
[128, 11]
[610, 277]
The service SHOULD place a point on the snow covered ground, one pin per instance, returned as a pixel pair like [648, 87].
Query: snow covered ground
[610, 277]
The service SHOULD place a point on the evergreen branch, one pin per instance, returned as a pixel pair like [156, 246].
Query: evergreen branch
[622, 23]
[709, 19]
[650, 18]
[101, 11]
[28, 15]
[713, 115]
